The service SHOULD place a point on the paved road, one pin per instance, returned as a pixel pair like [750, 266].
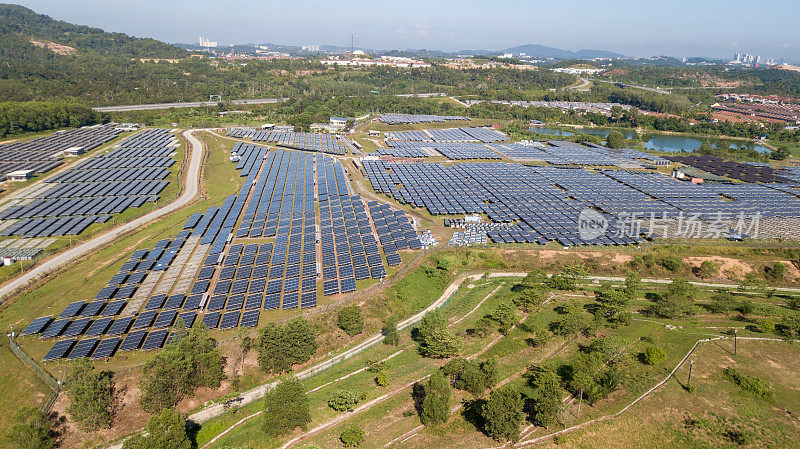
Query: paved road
[184, 104]
[651, 89]
[191, 188]
[582, 86]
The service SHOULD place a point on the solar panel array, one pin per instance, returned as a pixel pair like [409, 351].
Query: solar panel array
[234, 280]
[43, 154]
[451, 150]
[465, 134]
[732, 169]
[97, 188]
[544, 203]
[560, 152]
[319, 142]
[407, 119]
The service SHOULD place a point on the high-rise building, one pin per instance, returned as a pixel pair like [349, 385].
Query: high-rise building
[205, 42]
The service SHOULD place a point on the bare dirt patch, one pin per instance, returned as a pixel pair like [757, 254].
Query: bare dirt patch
[54, 47]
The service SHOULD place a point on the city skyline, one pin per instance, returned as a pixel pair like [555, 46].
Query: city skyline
[682, 29]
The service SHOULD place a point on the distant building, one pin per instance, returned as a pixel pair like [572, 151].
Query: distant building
[207, 43]
[338, 122]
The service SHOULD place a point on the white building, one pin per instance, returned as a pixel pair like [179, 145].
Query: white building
[207, 43]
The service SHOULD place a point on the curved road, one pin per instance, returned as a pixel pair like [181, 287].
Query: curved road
[191, 188]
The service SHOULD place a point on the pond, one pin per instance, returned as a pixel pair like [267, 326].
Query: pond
[657, 142]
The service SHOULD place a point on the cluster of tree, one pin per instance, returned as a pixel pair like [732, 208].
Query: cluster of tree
[502, 318]
[286, 407]
[91, 395]
[282, 346]
[470, 375]
[166, 430]
[35, 116]
[344, 400]
[434, 337]
[30, 428]
[191, 361]
[18, 20]
[350, 320]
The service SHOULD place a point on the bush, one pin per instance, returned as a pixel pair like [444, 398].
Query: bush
[776, 272]
[166, 430]
[280, 347]
[342, 400]
[91, 395]
[708, 269]
[389, 331]
[471, 376]
[653, 355]
[382, 379]
[435, 338]
[350, 320]
[503, 413]
[352, 437]
[192, 361]
[678, 301]
[286, 407]
[435, 408]
[671, 263]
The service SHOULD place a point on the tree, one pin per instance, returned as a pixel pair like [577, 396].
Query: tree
[280, 347]
[471, 376]
[435, 338]
[189, 363]
[653, 355]
[677, 301]
[286, 407]
[546, 396]
[775, 273]
[616, 140]
[382, 379]
[350, 320]
[342, 400]
[436, 402]
[389, 330]
[573, 321]
[781, 153]
[503, 413]
[91, 395]
[611, 302]
[671, 263]
[352, 437]
[633, 283]
[30, 428]
[166, 430]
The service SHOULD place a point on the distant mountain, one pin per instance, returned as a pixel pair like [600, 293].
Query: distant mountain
[541, 51]
[22, 24]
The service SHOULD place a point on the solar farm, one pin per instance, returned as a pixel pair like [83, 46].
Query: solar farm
[323, 143]
[410, 119]
[45, 153]
[294, 226]
[97, 188]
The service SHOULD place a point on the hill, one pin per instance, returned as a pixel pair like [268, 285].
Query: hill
[541, 51]
[25, 25]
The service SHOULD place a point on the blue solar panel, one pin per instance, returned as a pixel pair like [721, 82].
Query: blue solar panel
[82, 349]
[37, 325]
[106, 348]
[133, 340]
[59, 350]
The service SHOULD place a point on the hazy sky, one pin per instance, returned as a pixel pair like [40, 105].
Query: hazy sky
[715, 28]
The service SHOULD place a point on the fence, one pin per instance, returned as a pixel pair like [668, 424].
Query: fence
[49, 380]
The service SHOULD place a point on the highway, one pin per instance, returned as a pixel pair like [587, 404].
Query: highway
[185, 104]
[190, 191]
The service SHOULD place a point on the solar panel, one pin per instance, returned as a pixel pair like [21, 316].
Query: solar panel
[82, 349]
[106, 348]
[165, 319]
[133, 340]
[72, 309]
[59, 350]
[99, 326]
[55, 328]
[250, 318]
[229, 320]
[211, 320]
[145, 319]
[155, 340]
[37, 325]
[120, 326]
[188, 318]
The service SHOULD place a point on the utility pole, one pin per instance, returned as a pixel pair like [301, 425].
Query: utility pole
[580, 399]
[689, 380]
[735, 334]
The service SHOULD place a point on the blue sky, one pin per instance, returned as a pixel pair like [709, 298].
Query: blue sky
[715, 28]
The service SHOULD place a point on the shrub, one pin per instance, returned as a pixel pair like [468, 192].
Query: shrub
[166, 430]
[352, 437]
[503, 413]
[91, 395]
[775, 273]
[708, 269]
[382, 379]
[751, 384]
[286, 407]
[350, 320]
[435, 407]
[653, 355]
[671, 263]
[389, 330]
[342, 400]
[280, 347]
